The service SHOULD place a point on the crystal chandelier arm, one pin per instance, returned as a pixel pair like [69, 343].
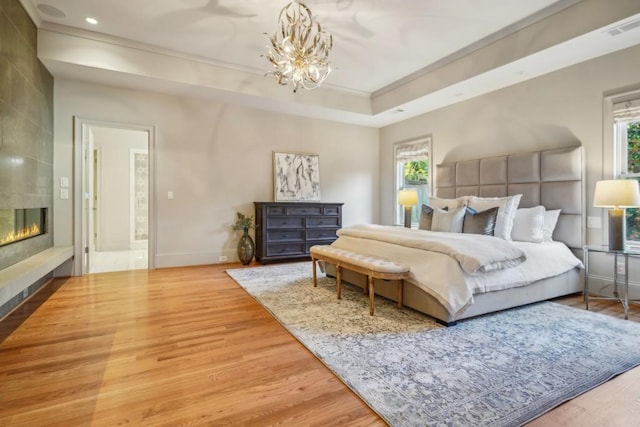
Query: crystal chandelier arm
[307, 33]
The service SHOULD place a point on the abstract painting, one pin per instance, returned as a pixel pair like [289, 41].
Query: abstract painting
[296, 177]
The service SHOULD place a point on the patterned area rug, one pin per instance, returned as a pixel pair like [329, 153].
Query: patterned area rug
[503, 369]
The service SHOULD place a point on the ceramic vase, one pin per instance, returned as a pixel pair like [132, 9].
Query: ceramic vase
[246, 248]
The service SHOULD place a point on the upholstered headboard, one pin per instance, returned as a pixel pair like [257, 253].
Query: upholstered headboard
[552, 178]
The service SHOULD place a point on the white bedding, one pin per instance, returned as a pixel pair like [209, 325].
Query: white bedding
[441, 275]
[475, 253]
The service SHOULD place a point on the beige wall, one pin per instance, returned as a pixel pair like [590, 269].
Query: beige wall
[216, 159]
[559, 109]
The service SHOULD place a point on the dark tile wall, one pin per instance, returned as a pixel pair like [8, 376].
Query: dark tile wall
[26, 127]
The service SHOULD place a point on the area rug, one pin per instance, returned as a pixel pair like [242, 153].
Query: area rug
[502, 369]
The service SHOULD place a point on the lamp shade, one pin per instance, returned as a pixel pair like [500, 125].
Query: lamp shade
[617, 193]
[408, 197]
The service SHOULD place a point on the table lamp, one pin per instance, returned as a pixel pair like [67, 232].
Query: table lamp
[617, 194]
[407, 198]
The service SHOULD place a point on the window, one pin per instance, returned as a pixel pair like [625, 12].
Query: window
[626, 134]
[413, 168]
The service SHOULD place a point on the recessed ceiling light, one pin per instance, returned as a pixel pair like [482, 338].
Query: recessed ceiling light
[92, 21]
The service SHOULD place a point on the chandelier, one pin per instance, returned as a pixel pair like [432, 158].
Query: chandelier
[299, 49]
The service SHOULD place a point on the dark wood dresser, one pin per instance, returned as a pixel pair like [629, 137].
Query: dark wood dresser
[286, 230]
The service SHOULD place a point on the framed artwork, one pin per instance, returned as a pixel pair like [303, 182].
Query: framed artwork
[296, 177]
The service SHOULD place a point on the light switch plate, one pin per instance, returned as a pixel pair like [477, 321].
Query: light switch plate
[170, 195]
[64, 193]
[594, 222]
[64, 182]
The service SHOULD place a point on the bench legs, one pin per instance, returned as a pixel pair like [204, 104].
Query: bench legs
[368, 287]
[371, 295]
[338, 278]
[315, 280]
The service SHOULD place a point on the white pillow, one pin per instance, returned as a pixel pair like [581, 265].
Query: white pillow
[507, 207]
[449, 221]
[436, 202]
[550, 222]
[528, 225]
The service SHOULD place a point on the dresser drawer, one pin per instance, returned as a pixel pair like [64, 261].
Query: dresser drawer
[322, 234]
[285, 222]
[323, 221]
[276, 210]
[304, 210]
[275, 250]
[332, 210]
[285, 235]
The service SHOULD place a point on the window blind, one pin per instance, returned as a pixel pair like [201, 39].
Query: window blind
[626, 111]
[412, 152]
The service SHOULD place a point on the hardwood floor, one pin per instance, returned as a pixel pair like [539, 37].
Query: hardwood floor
[187, 346]
[182, 346]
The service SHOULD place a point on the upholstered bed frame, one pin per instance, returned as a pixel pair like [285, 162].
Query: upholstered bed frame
[552, 178]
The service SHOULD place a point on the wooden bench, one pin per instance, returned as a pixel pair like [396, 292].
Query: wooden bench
[372, 266]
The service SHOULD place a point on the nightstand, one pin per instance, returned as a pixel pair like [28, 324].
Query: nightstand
[624, 299]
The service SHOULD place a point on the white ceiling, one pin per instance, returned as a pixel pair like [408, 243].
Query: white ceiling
[381, 47]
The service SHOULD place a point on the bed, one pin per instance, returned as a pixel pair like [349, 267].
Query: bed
[548, 183]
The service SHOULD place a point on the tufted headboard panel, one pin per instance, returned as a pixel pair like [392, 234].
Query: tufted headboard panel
[552, 178]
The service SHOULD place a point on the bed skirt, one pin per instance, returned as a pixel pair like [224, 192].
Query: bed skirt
[568, 283]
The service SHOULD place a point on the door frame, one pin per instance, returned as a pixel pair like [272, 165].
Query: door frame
[97, 202]
[81, 180]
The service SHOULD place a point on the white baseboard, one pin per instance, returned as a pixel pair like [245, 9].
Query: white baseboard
[185, 259]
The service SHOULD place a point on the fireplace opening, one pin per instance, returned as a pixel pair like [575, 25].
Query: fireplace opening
[21, 224]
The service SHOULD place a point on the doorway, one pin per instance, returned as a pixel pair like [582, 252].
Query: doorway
[116, 169]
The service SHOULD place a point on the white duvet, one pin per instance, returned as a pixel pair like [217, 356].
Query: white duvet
[441, 274]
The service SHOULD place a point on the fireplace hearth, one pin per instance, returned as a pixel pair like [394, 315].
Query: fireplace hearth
[21, 224]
